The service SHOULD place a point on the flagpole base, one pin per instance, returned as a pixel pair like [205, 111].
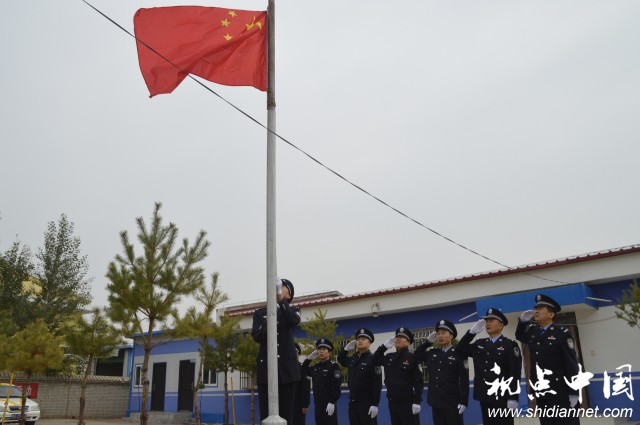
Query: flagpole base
[274, 420]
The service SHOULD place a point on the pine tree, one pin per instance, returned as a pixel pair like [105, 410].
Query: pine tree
[144, 290]
[630, 305]
[15, 303]
[201, 325]
[91, 340]
[245, 360]
[219, 357]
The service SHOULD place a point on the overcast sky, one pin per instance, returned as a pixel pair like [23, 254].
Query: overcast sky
[511, 127]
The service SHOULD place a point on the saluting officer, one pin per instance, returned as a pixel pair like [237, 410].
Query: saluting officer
[403, 378]
[448, 389]
[303, 396]
[551, 348]
[326, 379]
[487, 353]
[288, 318]
[365, 379]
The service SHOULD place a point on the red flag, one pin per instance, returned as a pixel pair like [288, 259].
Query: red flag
[220, 45]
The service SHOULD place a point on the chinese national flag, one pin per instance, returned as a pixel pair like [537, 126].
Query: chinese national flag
[220, 45]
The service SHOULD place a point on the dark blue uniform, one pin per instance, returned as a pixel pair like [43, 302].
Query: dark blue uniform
[552, 350]
[288, 318]
[448, 382]
[326, 380]
[403, 378]
[365, 385]
[505, 353]
[303, 397]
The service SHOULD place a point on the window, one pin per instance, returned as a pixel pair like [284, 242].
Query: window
[246, 381]
[138, 376]
[210, 377]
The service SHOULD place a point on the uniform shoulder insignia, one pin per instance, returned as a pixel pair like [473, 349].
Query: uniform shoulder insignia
[570, 343]
[516, 351]
[378, 370]
[337, 374]
[465, 362]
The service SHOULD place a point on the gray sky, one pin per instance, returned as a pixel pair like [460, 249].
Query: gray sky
[511, 127]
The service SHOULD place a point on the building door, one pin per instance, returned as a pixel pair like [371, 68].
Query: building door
[185, 385]
[158, 384]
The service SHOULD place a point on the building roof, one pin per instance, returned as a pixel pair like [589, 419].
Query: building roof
[525, 269]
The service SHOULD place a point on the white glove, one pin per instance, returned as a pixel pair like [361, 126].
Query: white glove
[432, 337]
[573, 400]
[313, 355]
[526, 316]
[350, 346]
[461, 408]
[330, 409]
[278, 286]
[373, 412]
[478, 327]
[512, 404]
[389, 343]
[415, 409]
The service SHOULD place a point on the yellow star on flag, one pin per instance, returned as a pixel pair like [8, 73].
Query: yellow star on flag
[228, 37]
[225, 23]
[233, 14]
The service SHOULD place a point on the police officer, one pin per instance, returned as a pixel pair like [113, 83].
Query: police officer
[303, 395]
[448, 389]
[326, 379]
[365, 379]
[551, 349]
[488, 352]
[288, 318]
[403, 378]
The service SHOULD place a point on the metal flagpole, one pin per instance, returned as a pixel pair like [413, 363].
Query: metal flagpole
[272, 344]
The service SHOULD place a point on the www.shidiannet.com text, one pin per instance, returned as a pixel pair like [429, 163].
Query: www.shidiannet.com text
[561, 412]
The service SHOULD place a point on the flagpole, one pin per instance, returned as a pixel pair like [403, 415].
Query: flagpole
[272, 343]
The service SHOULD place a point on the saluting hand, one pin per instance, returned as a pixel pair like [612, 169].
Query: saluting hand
[350, 346]
[278, 286]
[432, 337]
[526, 316]
[478, 327]
[389, 343]
[415, 409]
[512, 404]
[313, 355]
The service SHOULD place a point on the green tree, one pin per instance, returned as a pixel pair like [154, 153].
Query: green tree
[144, 290]
[16, 267]
[61, 272]
[245, 361]
[91, 339]
[319, 327]
[629, 305]
[200, 326]
[32, 350]
[220, 356]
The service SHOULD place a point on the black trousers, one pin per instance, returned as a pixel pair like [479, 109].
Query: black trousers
[401, 413]
[560, 400]
[494, 420]
[321, 415]
[359, 413]
[449, 416]
[299, 418]
[286, 401]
